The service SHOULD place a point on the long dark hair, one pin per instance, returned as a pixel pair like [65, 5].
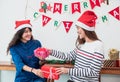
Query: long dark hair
[90, 34]
[17, 38]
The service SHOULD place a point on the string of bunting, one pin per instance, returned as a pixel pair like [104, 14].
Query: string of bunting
[56, 7]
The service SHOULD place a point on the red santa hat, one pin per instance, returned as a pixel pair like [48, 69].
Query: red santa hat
[22, 24]
[87, 20]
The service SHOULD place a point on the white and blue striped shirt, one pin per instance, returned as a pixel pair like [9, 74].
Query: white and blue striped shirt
[88, 61]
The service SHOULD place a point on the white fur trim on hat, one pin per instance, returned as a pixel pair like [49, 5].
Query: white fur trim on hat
[82, 25]
[23, 26]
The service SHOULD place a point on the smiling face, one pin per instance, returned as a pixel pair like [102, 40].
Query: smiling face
[80, 32]
[26, 35]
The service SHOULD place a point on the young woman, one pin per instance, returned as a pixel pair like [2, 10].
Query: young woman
[22, 48]
[88, 54]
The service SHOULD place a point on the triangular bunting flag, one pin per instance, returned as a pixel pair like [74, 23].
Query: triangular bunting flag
[67, 25]
[45, 20]
[115, 13]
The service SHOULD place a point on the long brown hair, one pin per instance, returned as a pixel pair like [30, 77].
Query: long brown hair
[17, 38]
[90, 34]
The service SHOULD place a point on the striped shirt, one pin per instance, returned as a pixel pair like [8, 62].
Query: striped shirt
[88, 61]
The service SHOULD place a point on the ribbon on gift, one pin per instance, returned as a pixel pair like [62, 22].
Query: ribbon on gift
[51, 74]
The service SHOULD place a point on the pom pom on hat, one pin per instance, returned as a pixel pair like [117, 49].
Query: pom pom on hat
[22, 24]
[87, 20]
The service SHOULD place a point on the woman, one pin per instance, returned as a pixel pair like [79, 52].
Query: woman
[88, 54]
[22, 48]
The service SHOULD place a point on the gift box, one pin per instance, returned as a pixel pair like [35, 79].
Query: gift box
[49, 72]
[117, 63]
[42, 53]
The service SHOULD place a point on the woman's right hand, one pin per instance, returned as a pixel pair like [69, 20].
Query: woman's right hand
[49, 51]
[38, 72]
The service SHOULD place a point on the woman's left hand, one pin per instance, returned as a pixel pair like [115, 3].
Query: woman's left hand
[62, 70]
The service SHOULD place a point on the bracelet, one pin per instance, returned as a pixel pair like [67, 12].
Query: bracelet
[31, 69]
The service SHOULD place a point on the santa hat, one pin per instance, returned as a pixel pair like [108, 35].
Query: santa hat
[22, 24]
[87, 20]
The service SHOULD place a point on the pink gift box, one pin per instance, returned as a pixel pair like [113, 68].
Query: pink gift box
[41, 52]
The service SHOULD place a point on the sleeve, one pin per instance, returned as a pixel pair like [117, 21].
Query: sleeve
[39, 43]
[17, 60]
[95, 64]
[65, 56]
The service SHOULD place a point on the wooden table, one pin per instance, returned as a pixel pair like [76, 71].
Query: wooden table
[7, 66]
[104, 70]
[110, 70]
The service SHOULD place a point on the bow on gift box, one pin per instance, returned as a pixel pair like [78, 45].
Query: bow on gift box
[51, 75]
[49, 72]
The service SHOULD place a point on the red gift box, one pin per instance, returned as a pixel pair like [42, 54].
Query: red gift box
[117, 63]
[49, 72]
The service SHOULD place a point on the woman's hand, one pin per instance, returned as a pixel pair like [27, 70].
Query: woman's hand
[49, 51]
[40, 58]
[62, 70]
[38, 72]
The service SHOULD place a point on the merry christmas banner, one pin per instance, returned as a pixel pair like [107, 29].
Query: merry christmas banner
[72, 8]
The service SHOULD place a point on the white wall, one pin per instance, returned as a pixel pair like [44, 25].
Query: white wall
[50, 37]
[58, 39]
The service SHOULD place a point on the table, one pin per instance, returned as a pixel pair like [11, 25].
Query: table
[104, 70]
[7, 66]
